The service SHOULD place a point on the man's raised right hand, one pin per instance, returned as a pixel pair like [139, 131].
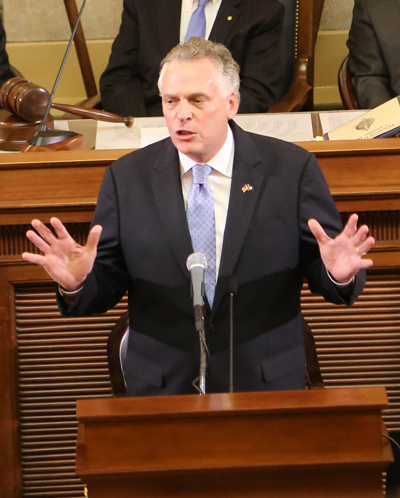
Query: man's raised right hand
[67, 262]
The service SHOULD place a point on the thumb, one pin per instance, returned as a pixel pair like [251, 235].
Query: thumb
[318, 231]
[93, 238]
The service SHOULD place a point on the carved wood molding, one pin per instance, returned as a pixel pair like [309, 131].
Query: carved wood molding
[13, 240]
[384, 226]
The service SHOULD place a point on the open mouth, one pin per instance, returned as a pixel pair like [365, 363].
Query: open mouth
[184, 134]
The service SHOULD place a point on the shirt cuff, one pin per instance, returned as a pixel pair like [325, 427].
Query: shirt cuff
[69, 296]
[340, 284]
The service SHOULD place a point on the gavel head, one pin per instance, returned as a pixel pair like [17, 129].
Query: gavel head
[24, 98]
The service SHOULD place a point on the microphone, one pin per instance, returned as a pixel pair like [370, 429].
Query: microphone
[231, 290]
[231, 285]
[197, 265]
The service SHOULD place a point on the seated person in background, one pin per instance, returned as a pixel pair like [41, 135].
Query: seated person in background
[250, 29]
[374, 44]
[5, 71]
[244, 200]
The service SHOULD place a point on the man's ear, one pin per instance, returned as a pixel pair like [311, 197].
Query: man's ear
[233, 103]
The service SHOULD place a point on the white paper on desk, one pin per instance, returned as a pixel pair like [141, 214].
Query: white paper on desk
[291, 127]
[118, 136]
[151, 135]
[332, 120]
[61, 124]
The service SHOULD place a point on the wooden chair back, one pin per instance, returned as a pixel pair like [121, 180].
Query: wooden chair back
[300, 35]
[116, 351]
[81, 49]
[313, 372]
[345, 86]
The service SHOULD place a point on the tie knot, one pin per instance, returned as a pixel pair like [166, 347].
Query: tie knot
[200, 173]
[202, 3]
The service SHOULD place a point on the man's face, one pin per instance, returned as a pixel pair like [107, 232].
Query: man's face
[195, 109]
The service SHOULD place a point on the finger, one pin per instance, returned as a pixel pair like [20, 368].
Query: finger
[350, 228]
[361, 235]
[318, 231]
[35, 259]
[366, 263]
[43, 231]
[93, 238]
[59, 228]
[366, 246]
[38, 241]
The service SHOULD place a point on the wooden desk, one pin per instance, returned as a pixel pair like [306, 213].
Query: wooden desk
[47, 362]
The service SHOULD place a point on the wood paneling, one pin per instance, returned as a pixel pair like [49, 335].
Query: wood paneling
[60, 360]
[360, 346]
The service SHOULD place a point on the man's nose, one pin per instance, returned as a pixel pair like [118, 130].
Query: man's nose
[184, 111]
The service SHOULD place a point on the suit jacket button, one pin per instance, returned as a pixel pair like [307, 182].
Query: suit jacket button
[213, 328]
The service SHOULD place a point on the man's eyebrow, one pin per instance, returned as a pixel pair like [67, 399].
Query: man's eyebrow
[196, 95]
[190, 96]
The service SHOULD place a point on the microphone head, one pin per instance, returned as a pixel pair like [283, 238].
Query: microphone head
[196, 259]
[231, 285]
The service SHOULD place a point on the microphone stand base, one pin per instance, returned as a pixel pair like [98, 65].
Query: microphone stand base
[14, 131]
[71, 143]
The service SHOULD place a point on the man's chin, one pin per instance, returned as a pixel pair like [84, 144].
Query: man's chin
[185, 147]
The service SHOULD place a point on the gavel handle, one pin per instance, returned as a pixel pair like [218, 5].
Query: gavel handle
[94, 114]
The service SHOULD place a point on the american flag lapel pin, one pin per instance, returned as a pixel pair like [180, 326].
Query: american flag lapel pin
[247, 187]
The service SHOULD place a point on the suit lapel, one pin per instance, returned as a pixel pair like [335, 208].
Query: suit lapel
[242, 202]
[167, 188]
[169, 21]
[228, 13]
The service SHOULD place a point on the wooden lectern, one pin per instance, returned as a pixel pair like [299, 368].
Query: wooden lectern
[316, 444]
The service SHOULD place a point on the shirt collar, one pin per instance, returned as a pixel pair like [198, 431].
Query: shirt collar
[195, 3]
[220, 162]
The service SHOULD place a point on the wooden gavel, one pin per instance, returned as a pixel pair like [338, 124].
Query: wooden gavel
[29, 101]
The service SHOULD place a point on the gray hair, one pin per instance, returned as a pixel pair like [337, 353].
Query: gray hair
[198, 49]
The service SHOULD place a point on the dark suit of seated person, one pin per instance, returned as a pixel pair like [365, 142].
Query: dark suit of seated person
[250, 29]
[374, 58]
[259, 198]
[5, 71]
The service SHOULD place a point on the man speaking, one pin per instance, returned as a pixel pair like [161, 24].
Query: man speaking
[258, 207]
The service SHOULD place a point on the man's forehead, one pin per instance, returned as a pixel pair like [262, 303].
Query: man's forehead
[197, 73]
[186, 66]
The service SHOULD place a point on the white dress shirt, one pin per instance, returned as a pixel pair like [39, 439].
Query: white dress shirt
[219, 181]
[189, 6]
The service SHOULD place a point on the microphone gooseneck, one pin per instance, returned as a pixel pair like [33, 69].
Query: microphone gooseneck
[44, 136]
[231, 290]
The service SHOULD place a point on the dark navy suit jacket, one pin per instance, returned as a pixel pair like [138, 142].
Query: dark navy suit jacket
[267, 245]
